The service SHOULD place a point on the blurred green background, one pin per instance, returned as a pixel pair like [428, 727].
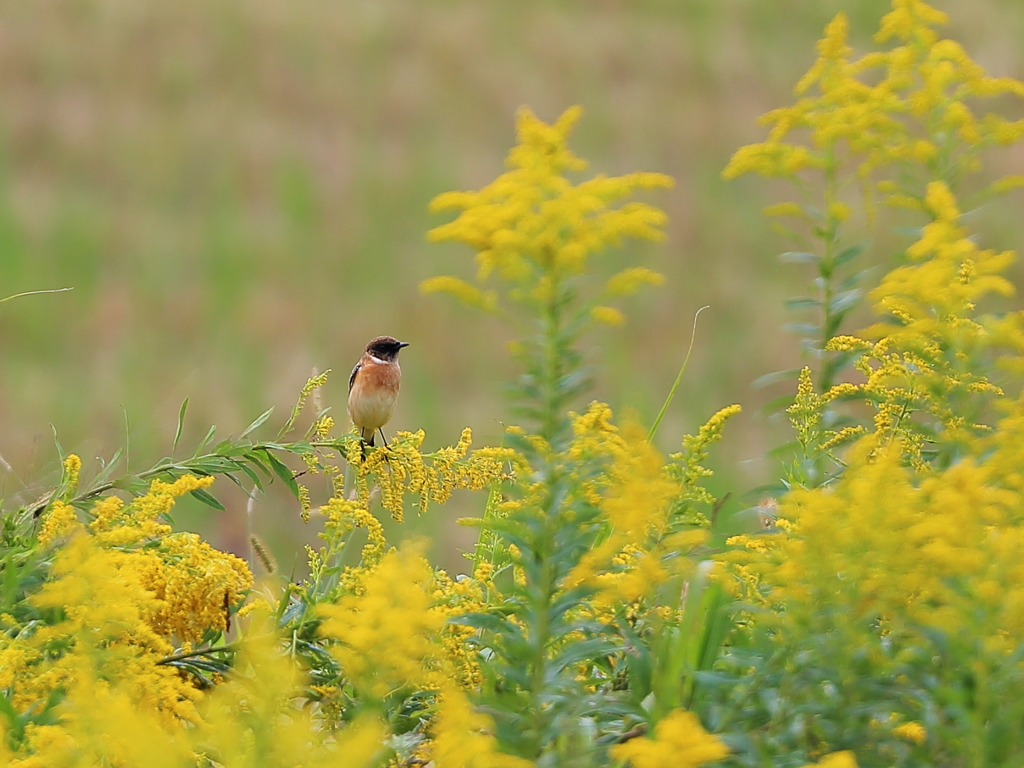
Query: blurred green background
[237, 191]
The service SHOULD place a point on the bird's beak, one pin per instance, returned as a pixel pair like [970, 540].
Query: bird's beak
[403, 344]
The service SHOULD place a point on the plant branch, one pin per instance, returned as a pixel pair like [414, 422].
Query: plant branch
[679, 378]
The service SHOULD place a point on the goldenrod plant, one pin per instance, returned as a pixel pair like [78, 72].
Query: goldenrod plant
[904, 125]
[881, 599]
[535, 233]
[609, 614]
[589, 540]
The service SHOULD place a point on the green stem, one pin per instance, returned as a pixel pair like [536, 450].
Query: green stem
[679, 378]
[540, 636]
[33, 293]
[826, 269]
[552, 367]
[201, 652]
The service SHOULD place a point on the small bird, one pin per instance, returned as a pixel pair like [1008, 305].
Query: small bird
[373, 387]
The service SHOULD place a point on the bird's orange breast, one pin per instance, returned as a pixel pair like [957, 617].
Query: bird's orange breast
[371, 402]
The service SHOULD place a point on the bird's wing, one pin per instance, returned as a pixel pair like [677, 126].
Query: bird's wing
[352, 378]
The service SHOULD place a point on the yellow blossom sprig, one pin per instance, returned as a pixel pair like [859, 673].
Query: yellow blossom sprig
[636, 503]
[532, 223]
[401, 470]
[463, 738]
[890, 559]
[552, 520]
[195, 584]
[679, 742]
[928, 365]
[314, 383]
[590, 531]
[687, 471]
[907, 112]
[535, 231]
[924, 89]
[253, 717]
[817, 443]
[105, 613]
[385, 635]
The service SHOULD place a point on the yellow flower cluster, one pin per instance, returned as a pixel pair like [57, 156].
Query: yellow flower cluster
[385, 635]
[913, 732]
[101, 723]
[808, 406]
[121, 592]
[454, 597]
[465, 292]
[927, 356]
[533, 227]
[688, 470]
[910, 103]
[60, 520]
[116, 524]
[634, 495]
[947, 275]
[835, 760]
[939, 551]
[401, 469]
[107, 627]
[905, 547]
[196, 584]
[679, 742]
[630, 280]
[344, 516]
[463, 738]
[254, 719]
[646, 504]
[72, 470]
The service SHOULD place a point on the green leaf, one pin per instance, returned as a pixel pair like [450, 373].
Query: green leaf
[207, 498]
[844, 301]
[912, 232]
[282, 471]
[56, 442]
[812, 346]
[258, 422]
[779, 403]
[108, 469]
[803, 329]
[181, 423]
[851, 252]
[133, 484]
[567, 601]
[584, 649]
[212, 465]
[256, 481]
[802, 302]
[775, 377]
[17, 725]
[10, 581]
[798, 257]
[206, 440]
[856, 279]
[488, 622]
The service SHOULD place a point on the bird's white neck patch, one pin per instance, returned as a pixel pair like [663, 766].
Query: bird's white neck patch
[378, 360]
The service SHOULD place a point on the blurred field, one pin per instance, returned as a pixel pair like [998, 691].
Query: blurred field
[237, 192]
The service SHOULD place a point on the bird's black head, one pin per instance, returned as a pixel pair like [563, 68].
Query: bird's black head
[385, 348]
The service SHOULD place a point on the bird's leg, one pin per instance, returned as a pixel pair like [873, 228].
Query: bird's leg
[386, 455]
[366, 443]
